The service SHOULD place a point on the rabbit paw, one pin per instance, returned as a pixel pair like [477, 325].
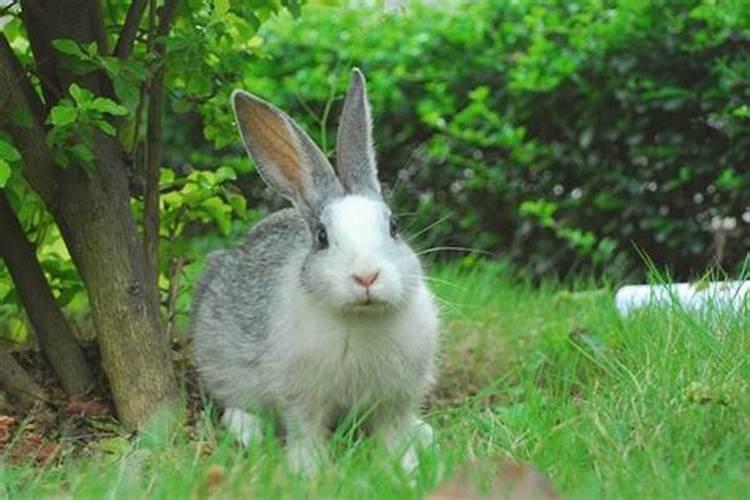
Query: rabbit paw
[244, 427]
[423, 434]
[306, 458]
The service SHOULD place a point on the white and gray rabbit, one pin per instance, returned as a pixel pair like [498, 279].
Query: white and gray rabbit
[323, 310]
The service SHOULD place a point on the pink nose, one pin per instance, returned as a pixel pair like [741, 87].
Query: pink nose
[366, 279]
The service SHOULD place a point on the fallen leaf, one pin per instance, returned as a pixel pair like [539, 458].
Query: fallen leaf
[32, 446]
[91, 408]
[495, 479]
[7, 425]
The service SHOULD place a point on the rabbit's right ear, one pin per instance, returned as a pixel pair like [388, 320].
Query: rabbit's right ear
[285, 156]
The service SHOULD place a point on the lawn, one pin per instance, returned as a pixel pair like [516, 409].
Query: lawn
[654, 406]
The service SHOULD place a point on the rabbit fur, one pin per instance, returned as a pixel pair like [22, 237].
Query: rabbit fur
[322, 311]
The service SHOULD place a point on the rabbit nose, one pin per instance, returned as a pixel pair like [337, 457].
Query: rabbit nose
[366, 279]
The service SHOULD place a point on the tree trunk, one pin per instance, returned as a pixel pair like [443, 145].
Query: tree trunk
[93, 213]
[52, 329]
[95, 219]
[18, 383]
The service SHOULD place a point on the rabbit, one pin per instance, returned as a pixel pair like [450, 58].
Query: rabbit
[323, 310]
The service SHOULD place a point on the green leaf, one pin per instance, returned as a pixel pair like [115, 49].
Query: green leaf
[8, 152]
[219, 212]
[4, 172]
[223, 173]
[61, 159]
[541, 209]
[63, 114]
[105, 105]
[82, 153]
[126, 90]
[69, 47]
[105, 127]
[293, 6]
[173, 199]
[166, 176]
[742, 112]
[81, 95]
[238, 204]
[221, 7]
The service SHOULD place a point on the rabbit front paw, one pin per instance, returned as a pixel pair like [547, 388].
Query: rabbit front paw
[306, 457]
[244, 427]
[405, 437]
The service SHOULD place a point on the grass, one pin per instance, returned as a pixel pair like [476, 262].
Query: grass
[654, 406]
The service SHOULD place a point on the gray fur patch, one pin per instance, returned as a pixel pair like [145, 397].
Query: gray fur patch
[233, 298]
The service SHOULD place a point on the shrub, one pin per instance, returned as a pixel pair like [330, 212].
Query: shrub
[567, 136]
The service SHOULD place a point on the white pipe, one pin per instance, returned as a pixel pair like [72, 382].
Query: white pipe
[694, 297]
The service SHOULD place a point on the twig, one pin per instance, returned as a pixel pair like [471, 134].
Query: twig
[125, 41]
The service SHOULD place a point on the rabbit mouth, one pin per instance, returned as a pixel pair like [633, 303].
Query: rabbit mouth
[368, 305]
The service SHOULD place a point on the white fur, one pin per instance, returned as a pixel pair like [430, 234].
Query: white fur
[334, 363]
[336, 357]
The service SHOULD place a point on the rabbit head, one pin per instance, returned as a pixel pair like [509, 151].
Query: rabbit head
[357, 260]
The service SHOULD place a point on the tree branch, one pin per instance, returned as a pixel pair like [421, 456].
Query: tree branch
[50, 325]
[21, 99]
[154, 143]
[124, 46]
[34, 13]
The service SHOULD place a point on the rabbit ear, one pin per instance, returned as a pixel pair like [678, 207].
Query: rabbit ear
[355, 154]
[286, 158]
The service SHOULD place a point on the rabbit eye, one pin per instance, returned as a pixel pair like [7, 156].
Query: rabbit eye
[322, 236]
[393, 228]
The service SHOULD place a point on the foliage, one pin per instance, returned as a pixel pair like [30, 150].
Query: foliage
[8, 154]
[209, 45]
[647, 407]
[72, 123]
[627, 120]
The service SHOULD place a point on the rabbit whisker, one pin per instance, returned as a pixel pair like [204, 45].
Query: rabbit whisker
[428, 227]
[456, 249]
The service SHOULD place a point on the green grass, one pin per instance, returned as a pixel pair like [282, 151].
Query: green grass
[655, 406]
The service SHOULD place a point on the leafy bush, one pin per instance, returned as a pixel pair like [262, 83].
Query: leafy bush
[565, 135]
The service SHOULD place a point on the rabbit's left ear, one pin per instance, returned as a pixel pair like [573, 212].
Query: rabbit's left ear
[285, 156]
[355, 154]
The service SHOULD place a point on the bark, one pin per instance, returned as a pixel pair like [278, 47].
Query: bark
[16, 382]
[93, 213]
[52, 329]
